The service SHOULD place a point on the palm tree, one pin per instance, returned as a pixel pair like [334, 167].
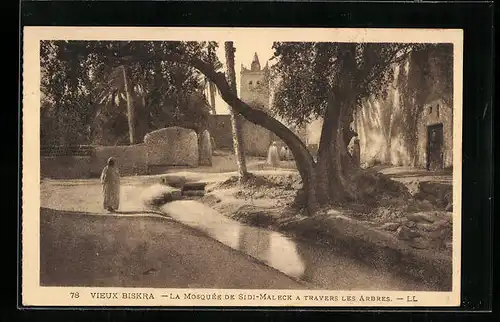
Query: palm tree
[130, 107]
[211, 91]
[119, 84]
[235, 121]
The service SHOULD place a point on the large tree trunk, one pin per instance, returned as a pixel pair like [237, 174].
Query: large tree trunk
[235, 119]
[327, 175]
[335, 165]
[130, 108]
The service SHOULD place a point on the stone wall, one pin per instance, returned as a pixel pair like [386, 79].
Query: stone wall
[172, 146]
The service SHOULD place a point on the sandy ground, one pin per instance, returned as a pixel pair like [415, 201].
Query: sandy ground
[139, 248]
[426, 246]
[81, 249]
[81, 245]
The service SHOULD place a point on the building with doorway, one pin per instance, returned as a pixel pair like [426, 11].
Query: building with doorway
[435, 135]
[434, 144]
[434, 130]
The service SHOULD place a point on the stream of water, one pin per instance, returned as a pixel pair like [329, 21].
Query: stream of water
[317, 265]
[314, 264]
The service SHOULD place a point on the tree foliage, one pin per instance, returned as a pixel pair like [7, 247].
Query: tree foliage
[308, 73]
[83, 88]
[329, 80]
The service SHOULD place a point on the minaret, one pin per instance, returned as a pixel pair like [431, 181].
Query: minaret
[255, 67]
[253, 83]
[254, 90]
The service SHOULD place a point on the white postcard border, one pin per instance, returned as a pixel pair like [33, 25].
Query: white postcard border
[35, 295]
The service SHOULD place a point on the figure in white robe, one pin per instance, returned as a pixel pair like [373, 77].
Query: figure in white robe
[110, 180]
[273, 157]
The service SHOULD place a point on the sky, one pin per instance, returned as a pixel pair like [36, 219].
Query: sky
[243, 55]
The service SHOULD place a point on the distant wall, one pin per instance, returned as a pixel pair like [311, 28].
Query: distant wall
[256, 139]
[63, 167]
[221, 131]
[165, 147]
[172, 146]
[130, 160]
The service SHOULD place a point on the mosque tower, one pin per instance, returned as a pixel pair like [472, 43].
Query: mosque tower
[254, 85]
[254, 90]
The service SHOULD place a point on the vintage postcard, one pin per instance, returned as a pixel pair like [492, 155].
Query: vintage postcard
[259, 167]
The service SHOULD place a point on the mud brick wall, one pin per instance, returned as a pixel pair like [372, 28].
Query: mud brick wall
[130, 159]
[172, 146]
[221, 131]
[65, 167]
[71, 163]
[256, 139]
[436, 115]
[165, 147]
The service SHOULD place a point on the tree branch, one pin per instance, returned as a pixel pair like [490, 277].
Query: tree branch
[302, 156]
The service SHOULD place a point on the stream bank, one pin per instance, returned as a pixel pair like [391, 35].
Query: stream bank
[408, 235]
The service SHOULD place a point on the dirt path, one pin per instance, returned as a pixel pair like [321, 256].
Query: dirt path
[82, 246]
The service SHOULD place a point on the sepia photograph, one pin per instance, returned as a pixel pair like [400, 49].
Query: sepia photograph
[241, 166]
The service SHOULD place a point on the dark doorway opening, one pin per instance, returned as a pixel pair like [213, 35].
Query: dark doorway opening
[435, 142]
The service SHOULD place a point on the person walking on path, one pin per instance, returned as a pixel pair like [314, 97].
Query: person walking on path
[110, 180]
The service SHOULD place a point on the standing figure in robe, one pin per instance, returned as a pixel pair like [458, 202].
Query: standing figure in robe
[273, 157]
[110, 180]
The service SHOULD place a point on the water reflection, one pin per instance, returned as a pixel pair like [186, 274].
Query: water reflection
[317, 265]
[271, 248]
[267, 246]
